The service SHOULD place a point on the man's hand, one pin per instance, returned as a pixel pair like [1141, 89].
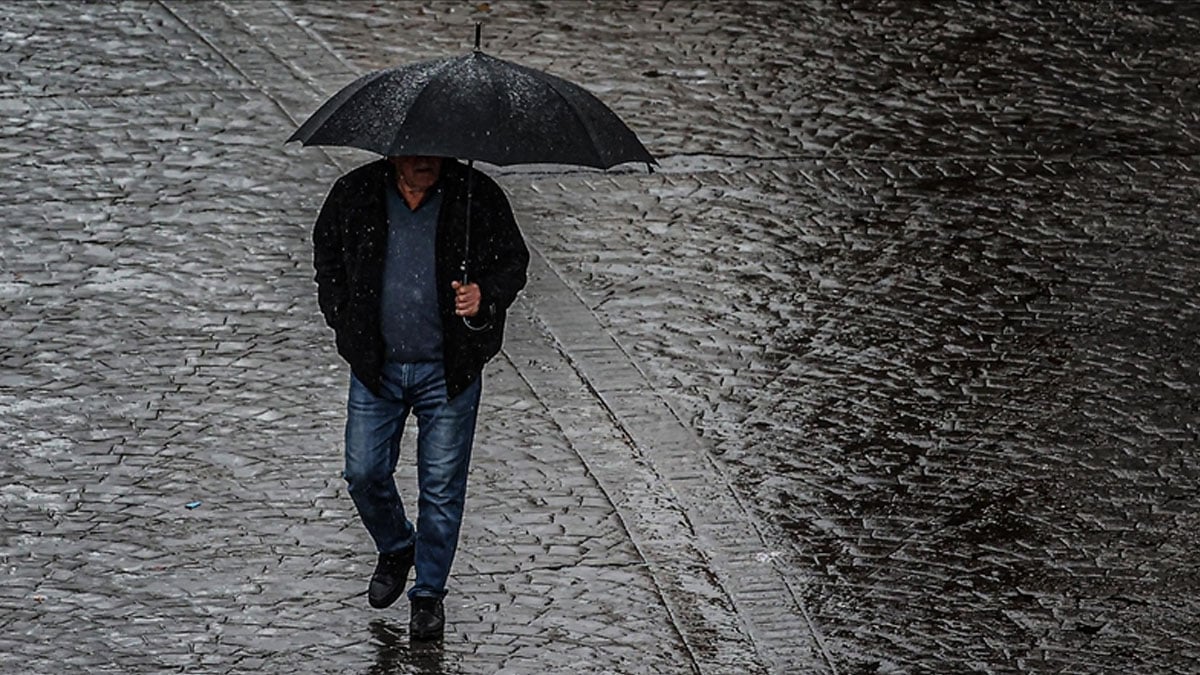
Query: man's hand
[466, 298]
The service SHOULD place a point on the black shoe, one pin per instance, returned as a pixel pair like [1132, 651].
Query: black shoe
[391, 574]
[428, 619]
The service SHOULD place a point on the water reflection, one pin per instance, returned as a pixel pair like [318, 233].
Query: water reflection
[396, 655]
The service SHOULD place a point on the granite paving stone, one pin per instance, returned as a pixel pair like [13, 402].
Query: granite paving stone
[889, 366]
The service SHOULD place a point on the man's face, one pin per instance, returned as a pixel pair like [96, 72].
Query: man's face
[418, 173]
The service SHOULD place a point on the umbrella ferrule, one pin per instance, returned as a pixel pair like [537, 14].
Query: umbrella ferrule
[478, 34]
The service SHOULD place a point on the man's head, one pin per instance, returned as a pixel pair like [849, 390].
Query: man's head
[417, 172]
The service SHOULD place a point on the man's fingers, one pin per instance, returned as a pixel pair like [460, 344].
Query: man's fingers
[466, 298]
[470, 290]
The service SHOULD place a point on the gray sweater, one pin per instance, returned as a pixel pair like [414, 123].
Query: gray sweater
[409, 317]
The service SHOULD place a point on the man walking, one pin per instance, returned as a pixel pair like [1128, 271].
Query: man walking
[387, 248]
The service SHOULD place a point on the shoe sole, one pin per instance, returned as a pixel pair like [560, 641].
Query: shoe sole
[386, 601]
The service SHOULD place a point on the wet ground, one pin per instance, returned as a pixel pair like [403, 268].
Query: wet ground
[890, 367]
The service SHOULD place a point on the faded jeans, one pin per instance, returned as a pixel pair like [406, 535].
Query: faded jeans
[445, 431]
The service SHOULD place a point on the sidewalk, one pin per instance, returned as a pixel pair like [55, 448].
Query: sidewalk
[172, 405]
[889, 366]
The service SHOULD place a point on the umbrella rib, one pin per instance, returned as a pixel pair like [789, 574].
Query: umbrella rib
[333, 105]
[550, 81]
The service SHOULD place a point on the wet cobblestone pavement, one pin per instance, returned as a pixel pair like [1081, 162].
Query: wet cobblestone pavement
[891, 367]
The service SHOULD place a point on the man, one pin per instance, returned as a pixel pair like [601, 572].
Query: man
[388, 249]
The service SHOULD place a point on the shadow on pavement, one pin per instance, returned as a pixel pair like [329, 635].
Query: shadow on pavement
[394, 654]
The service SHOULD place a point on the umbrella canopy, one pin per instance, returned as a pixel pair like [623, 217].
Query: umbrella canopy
[474, 107]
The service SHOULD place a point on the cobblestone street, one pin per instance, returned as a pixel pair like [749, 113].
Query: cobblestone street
[891, 365]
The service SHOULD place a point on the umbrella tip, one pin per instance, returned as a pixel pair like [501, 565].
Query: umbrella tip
[478, 32]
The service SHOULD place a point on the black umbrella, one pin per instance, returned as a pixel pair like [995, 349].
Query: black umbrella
[474, 107]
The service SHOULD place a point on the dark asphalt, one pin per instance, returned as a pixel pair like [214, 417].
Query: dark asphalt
[891, 367]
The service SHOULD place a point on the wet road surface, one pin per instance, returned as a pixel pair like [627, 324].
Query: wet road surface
[890, 368]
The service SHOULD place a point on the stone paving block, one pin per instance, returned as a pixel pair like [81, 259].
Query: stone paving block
[176, 314]
[937, 271]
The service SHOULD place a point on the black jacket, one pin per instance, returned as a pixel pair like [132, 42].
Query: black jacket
[349, 243]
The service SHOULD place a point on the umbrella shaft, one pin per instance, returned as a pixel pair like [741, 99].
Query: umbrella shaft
[467, 225]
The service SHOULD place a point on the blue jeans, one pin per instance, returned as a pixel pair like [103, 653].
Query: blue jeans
[445, 431]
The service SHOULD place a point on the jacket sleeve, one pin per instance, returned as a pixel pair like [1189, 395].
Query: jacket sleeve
[330, 265]
[502, 255]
